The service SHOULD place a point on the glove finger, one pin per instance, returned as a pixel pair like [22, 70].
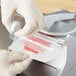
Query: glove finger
[17, 68]
[7, 13]
[31, 17]
[25, 31]
[16, 57]
[30, 26]
[35, 31]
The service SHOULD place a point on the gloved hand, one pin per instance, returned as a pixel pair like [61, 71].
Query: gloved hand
[12, 63]
[27, 9]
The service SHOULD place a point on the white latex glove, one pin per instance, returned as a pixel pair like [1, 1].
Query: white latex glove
[27, 9]
[12, 63]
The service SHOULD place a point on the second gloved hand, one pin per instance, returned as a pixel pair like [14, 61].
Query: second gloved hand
[13, 63]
